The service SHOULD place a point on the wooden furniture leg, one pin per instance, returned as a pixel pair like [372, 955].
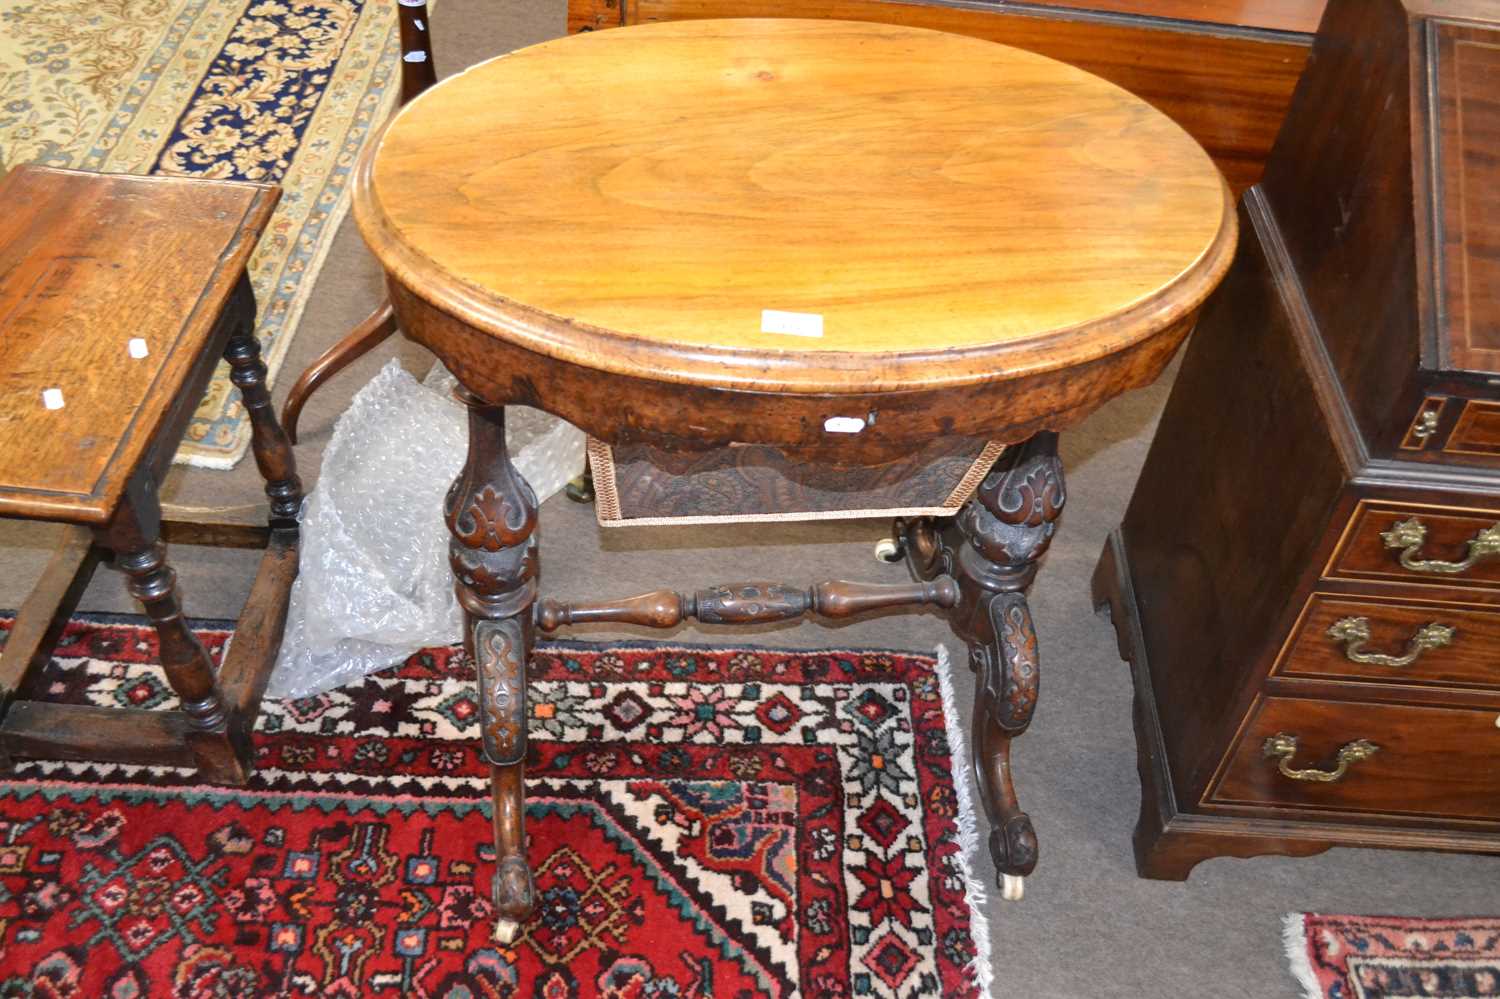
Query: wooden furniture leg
[273, 451]
[992, 548]
[221, 752]
[491, 512]
[358, 342]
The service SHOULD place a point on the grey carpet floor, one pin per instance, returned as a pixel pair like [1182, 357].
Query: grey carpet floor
[1088, 925]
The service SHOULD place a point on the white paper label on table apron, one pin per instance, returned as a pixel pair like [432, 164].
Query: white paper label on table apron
[791, 323]
[843, 424]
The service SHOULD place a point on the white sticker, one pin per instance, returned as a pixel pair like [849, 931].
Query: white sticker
[843, 424]
[418, 22]
[415, 57]
[138, 348]
[791, 323]
[52, 398]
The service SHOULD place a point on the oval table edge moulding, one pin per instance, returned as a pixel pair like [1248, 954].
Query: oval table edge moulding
[650, 310]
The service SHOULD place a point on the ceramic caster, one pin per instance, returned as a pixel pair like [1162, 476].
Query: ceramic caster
[506, 930]
[888, 550]
[1012, 888]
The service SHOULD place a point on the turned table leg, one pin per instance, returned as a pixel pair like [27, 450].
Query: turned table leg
[491, 512]
[273, 452]
[993, 547]
[221, 751]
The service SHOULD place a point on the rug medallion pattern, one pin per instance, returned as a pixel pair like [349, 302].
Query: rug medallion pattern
[783, 825]
[282, 91]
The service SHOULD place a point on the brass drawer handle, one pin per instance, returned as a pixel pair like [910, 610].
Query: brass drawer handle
[1409, 536]
[1353, 632]
[1283, 747]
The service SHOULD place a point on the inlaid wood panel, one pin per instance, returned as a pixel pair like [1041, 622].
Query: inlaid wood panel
[1467, 127]
[1438, 763]
[1470, 656]
[1363, 553]
[1477, 430]
[1229, 91]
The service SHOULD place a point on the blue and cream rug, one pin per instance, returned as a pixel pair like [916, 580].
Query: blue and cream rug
[268, 90]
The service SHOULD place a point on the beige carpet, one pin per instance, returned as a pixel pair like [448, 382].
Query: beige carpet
[1088, 926]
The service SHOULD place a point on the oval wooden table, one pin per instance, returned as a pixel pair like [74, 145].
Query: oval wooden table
[838, 238]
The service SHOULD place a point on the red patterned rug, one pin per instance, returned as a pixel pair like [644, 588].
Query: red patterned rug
[784, 824]
[1391, 957]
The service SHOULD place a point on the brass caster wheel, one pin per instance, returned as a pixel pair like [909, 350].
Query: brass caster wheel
[506, 930]
[1012, 888]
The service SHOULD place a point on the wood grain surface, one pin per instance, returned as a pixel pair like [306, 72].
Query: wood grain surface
[1362, 552]
[89, 263]
[1272, 15]
[1227, 87]
[1467, 133]
[1438, 763]
[954, 211]
[1468, 660]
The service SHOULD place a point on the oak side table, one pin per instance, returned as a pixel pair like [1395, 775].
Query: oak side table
[843, 240]
[118, 296]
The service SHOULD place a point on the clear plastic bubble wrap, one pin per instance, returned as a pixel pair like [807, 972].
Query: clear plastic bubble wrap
[373, 584]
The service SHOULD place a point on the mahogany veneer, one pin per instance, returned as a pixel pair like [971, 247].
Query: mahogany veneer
[1307, 580]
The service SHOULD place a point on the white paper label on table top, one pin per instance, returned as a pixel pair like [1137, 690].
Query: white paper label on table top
[791, 323]
[52, 398]
[138, 348]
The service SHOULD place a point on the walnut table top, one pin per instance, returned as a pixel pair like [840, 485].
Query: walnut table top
[936, 212]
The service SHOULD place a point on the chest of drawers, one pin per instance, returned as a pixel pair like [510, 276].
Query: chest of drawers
[1307, 580]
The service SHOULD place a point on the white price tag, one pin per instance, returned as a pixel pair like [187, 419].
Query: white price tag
[791, 323]
[843, 424]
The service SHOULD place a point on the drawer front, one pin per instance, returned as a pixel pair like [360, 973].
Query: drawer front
[1441, 763]
[1394, 641]
[1477, 431]
[1408, 543]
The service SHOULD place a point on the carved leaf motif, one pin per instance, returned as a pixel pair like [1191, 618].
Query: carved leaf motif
[1032, 494]
[492, 520]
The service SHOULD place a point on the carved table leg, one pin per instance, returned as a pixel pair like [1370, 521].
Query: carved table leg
[222, 751]
[273, 452]
[992, 548]
[491, 512]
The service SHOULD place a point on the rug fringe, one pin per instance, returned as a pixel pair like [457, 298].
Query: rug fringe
[980, 969]
[1294, 942]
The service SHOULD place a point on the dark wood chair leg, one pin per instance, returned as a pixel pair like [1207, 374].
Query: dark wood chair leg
[491, 513]
[358, 342]
[220, 749]
[993, 547]
[273, 452]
